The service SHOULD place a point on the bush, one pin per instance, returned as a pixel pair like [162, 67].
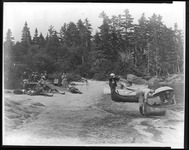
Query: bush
[73, 77]
[56, 75]
[13, 76]
[70, 76]
[100, 76]
[83, 69]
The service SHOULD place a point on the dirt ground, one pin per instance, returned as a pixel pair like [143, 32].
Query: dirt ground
[91, 119]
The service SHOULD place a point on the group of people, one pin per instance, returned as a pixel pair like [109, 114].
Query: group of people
[40, 87]
[35, 76]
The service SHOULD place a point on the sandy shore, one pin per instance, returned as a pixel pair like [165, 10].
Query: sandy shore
[90, 119]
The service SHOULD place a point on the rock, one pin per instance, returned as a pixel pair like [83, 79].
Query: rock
[136, 80]
[170, 78]
[174, 79]
[154, 80]
[10, 103]
[12, 115]
[17, 121]
[25, 116]
[8, 92]
[163, 83]
[26, 110]
[37, 104]
[18, 112]
[7, 103]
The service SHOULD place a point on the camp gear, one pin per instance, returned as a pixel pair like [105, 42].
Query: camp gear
[74, 90]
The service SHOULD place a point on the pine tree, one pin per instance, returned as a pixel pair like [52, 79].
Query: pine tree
[36, 38]
[179, 49]
[71, 35]
[63, 37]
[53, 45]
[41, 40]
[127, 27]
[8, 47]
[105, 35]
[88, 32]
[26, 37]
[139, 43]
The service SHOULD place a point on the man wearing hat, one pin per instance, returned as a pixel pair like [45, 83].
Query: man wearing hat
[113, 79]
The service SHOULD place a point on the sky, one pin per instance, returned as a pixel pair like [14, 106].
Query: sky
[42, 15]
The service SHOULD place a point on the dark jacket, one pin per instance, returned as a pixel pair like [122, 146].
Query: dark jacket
[113, 80]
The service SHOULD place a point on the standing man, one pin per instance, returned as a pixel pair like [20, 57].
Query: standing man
[25, 76]
[45, 75]
[64, 80]
[25, 80]
[32, 76]
[113, 79]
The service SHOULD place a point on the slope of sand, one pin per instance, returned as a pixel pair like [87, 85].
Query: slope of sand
[91, 118]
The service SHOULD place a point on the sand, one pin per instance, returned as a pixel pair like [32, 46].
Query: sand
[91, 119]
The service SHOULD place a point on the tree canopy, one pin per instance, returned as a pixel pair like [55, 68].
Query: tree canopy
[119, 45]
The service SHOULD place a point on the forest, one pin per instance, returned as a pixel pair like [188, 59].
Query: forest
[147, 48]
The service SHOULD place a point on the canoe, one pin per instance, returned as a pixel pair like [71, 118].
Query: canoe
[150, 104]
[155, 108]
[155, 103]
[115, 96]
[126, 91]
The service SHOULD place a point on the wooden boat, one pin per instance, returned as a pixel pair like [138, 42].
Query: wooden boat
[155, 103]
[115, 96]
[150, 108]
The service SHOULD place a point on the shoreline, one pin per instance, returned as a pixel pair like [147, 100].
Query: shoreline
[90, 118]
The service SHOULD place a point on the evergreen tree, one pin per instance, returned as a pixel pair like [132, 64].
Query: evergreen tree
[72, 35]
[63, 34]
[179, 49]
[36, 38]
[8, 47]
[105, 35]
[26, 37]
[53, 45]
[8, 57]
[154, 26]
[41, 40]
[127, 27]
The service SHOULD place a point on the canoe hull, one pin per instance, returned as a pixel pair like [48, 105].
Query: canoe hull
[123, 98]
[151, 111]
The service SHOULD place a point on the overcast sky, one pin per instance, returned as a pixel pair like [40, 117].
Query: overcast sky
[42, 15]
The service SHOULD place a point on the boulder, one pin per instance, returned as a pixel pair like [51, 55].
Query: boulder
[155, 80]
[136, 80]
[175, 78]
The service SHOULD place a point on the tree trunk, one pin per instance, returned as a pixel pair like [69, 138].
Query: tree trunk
[135, 56]
[148, 58]
[160, 71]
[178, 67]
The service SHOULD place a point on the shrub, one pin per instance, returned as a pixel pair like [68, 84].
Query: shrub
[56, 75]
[100, 76]
[73, 77]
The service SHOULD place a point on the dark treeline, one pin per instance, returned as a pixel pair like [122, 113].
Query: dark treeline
[148, 48]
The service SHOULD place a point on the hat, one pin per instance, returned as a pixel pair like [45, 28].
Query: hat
[112, 74]
[24, 80]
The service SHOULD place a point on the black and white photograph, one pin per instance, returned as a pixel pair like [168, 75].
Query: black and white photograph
[93, 74]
